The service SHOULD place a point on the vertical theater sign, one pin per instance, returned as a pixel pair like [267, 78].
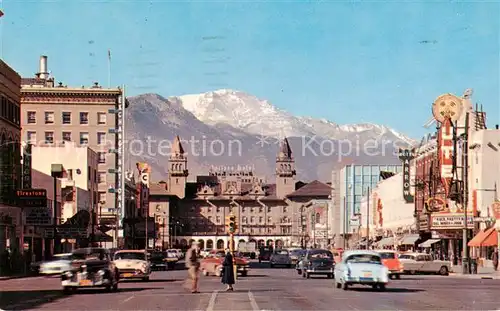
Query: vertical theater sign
[406, 155]
[446, 214]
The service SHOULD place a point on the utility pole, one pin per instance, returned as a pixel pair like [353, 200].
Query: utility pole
[345, 223]
[368, 218]
[465, 177]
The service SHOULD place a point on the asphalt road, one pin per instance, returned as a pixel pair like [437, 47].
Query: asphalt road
[263, 289]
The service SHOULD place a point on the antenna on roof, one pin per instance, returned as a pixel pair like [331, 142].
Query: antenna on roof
[109, 68]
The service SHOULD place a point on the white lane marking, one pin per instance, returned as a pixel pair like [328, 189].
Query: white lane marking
[253, 303]
[128, 299]
[211, 303]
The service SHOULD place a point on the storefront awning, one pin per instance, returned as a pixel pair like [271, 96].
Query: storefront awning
[385, 242]
[428, 243]
[409, 239]
[484, 238]
[491, 238]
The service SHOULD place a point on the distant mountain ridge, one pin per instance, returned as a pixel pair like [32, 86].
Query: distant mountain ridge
[228, 129]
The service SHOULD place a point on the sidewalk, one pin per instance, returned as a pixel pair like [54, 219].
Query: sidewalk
[482, 273]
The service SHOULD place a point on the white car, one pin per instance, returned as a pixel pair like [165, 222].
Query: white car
[205, 252]
[132, 264]
[281, 258]
[423, 263]
[177, 253]
[361, 267]
[59, 264]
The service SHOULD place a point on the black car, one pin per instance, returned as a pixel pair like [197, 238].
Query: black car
[317, 262]
[91, 267]
[265, 253]
[158, 261]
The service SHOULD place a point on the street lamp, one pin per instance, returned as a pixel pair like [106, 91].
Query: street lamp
[56, 171]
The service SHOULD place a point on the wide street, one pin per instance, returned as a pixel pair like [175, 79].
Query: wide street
[263, 289]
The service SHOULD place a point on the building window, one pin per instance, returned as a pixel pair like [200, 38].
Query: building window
[101, 138]
[318, 218]
[357, 170]
[84, 138]
[269, 209]
[217, 219]
[101, 177]
[31, 116]
[66, 136]
[244, 219]
[49, 137]
[218, 209]
[269, 220]
[101, 118]
[49, 117]
[101, 157]
[243, 209]
[31, 137]
[252, 220]
[285, 209]
[102, 197]
[261, 220]
[366, 170]
[66, 118]
[261, 209]
[84, 118]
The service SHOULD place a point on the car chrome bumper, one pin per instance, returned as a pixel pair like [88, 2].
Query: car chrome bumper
[366, 281]
[92, 283]
[133, 275]
[394, 272]
[318, 271]
[242, 268]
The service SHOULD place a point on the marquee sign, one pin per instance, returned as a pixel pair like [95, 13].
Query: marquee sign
[450, 221]
[406, 155]
[435, 205]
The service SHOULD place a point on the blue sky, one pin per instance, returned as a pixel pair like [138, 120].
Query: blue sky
[347, 62]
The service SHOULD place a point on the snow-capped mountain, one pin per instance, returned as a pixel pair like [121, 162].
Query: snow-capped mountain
[227, 129]
[258, 116]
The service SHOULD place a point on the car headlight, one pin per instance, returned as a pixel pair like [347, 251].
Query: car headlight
[101, 272]
[68, 274]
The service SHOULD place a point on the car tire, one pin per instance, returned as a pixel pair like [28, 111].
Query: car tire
[381, 287]
[330, 276]
[204, 272]
[272, 265]
[303, 274]
[338, 285]
[145, 279]
[299, 272]
[308, 276]
[67, 290]
[244, 273]
[398, 276]
[443, 271]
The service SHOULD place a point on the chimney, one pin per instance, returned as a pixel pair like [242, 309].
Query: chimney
[43, 73]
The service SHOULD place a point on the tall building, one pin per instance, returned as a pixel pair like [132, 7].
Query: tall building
[88, 116]
[278, 214]
[10, 153]
[353, 182]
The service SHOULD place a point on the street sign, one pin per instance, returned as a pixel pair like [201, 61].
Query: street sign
[145, 179]
[38, 216]
[31, 197]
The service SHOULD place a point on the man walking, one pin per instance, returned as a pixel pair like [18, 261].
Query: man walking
[193, 266]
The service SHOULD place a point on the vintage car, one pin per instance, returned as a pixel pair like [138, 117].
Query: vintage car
[361, 267]
[317, 262]
[414, 263]
[91, 267]
[280, 257]
[265, 254]
[132, 264]
[391, 261]
[59, 264]
[212, 264]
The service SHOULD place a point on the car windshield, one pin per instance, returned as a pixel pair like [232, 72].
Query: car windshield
[297, 252]
[321, 255]
[281, 252]
[131, 255]
[363, 258]
[406, 256]
[157, 255]
[61, 257]
[88, 256]
[387, 255]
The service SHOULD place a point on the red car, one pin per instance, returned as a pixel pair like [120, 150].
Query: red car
[212, 264]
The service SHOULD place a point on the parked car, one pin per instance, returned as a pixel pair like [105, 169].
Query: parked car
[280, 257]
[58, 264]
[317, 262]
[362, 267]
[177, 253]
[91, 267]
[414, 263]
[265, 254]
[204, 252]
[212, 264]
[391, 261]
[133, 264]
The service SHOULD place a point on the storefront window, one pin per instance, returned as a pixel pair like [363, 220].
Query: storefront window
[375, 170]
[357, 170]
[358, 179]
[349, 170]
[366, 170]
[375, 179]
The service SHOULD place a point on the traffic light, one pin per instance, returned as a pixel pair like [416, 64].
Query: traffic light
[231, 224]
